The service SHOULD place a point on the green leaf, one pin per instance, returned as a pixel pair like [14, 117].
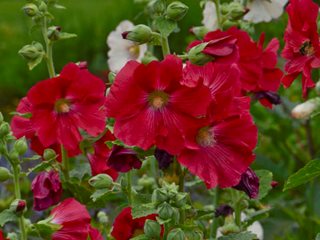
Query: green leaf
[40, 167]
[265, 178]
[142, 210]
[239, 236]
[140, 237]
[257, 215]
[304, 175]
[7, 216]
[165, 26]
[64, 35]
[99, 194]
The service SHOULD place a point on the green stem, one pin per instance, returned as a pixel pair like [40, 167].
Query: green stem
[16, 176]
[217, 3]
[310, 139]
[129, 186]
[165, 46]
[49, 58]
[65, 163]
[215, 223]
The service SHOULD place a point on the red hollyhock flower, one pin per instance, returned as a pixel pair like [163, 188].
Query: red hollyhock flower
[74, 220]
[220, 45]
[150, 106]
[258, 71]
[47, 190]
[249, 183]
[125, 227]
[302, 48]
[98, 160]
[63, 104]
[2, 236]
[220, 149]
[95, 234]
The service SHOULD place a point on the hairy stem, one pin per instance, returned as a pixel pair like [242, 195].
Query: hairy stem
[165, 46]
[49, 58]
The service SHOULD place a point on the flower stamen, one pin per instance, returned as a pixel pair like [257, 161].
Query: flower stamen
[62, 106]
[158, 99]
[205, 137]
[307, 49]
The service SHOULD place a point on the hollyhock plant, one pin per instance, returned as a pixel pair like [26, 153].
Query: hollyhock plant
[75, 101]
[302, 50]
[125, 227]
[73, 219]
[47, 190]
[264, 10]
[155, 109]
[249, 183]
[122, 50]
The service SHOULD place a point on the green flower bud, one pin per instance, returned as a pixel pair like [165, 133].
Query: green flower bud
[18, 206]
[159, 196]
[101, 181]
[152, 229]
[49, 154]
[176, 11]
[140, 34]
[199, 32]
[4, 174]
[157, 7]
[230, 228]
[181, 199]
[54, 33]
[236, 10]
[14, 156]
[103, 218]
[4, 130]
[228, 24]
[197, 57]
[165, 211]
[194, 235]
[21, 146]
[306, 109]
[43, 7]
[32, 51]
[30, 9]
[148, 57]
[176, 234]
[146, 182]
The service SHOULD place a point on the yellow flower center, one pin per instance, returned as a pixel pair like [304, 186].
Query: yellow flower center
[158, 99]
[134, 51]
[307, 49]
[205, 137]
[62, 106]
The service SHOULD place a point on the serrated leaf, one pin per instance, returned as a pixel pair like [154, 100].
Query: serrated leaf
[165, 26]
[142, 210]
[99, 194]
[265, 179]
[7, 216]
[239, 236]
[304, 175]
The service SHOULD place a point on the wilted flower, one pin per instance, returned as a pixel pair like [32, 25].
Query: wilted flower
[122, 50]
[264, 10]
[164, 158]
[305, 110]
[47, 190]
[249, 183]
[223, 210]
[210, 19]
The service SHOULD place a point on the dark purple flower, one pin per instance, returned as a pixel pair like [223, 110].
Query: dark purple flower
[249, 183]
[163, 157]
[223, 210]
[47, 190]
[123, 159]
[271, 97]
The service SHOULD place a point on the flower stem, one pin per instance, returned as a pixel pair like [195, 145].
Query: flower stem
[16, 176]
[217, 3]
[215, 224]
[129, 186]
[48, 58]
[65, 162]
[165, 46]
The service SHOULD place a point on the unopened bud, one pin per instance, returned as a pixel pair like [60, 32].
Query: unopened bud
[103, 218]
[194, 235]
[43, 7]
[236, 10]
[30, 9]
[152, 229]
[4, 174]
[18, 206]
[159, 196]
[49, 154]
[228, 24]
[176, 11]
[165, 211]
[14, 156]
[181, 199]
[305, 110]
[4, 129]
[146, 182]
[249, 183]
[197, 57]
[139, 34]
[199, 32]
[101, 181]
[157, 7]
[176, 234]
[54, 33]
[21, 146]
[32, 51]
[230, 228]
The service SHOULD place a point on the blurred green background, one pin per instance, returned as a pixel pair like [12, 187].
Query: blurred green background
[283, 145]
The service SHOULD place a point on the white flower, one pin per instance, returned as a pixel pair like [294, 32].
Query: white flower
[255, 228]
[264, 10]
[121, 50]
[210, 19]
[306, 109]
